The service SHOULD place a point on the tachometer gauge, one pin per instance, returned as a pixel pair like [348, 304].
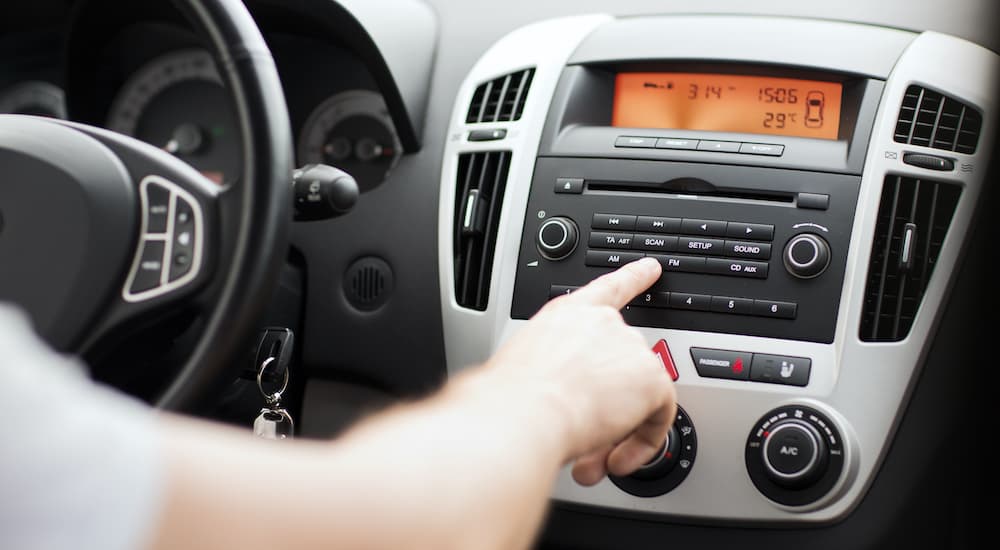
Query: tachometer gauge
[177, 102]
[354, 132]
[34, 97]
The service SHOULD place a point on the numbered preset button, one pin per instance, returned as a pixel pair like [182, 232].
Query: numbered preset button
[780, 310]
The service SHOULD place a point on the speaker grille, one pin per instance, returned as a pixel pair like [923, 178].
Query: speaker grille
[368, 283]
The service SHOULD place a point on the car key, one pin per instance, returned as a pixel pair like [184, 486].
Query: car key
[274, 421]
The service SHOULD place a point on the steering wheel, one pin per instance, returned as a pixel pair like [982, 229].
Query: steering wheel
[99, 231]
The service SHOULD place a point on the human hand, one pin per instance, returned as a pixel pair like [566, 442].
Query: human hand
[613, 394]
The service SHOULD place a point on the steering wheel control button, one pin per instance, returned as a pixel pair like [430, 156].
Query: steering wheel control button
[557, 238]
[779, 369]
[671, 465]
[170, 256]
[613, 222]
[662, 352]
[791, 453]
[157, 208]
[601, 258]
[795, 455]
[149, 270]
[750, 231]
[779, 310]
[571, 186]
[807, 255]
[601, 239]
[713, 363]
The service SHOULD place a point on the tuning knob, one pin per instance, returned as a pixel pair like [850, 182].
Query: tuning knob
[807, 255]
[557, 238]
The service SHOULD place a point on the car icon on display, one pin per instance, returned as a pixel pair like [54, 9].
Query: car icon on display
[814, 109]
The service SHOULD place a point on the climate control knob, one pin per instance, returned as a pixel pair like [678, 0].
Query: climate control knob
[669, 467]
[794, 453]
[807, 255]
[557, 238]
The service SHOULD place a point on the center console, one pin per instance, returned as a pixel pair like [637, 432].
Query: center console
[808, 206]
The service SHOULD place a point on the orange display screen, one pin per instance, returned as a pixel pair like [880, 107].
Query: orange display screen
[728, 103]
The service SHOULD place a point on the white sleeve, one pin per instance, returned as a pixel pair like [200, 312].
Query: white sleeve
[80, 465]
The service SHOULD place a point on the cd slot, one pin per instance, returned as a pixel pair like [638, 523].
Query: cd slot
[690, 187]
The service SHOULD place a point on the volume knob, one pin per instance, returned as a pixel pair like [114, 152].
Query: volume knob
[557, 238]
[807, 255]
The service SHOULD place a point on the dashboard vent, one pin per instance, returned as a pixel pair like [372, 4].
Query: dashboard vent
[930, 119]
[481, 181]
[913, 220]
[501, 99]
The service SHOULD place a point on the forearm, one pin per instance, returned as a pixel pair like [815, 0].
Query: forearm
[471, 467]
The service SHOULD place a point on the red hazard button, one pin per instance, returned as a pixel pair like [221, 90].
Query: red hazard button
[663, 353]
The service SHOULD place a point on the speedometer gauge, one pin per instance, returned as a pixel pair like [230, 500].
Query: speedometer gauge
[177, 102]
[354, 132]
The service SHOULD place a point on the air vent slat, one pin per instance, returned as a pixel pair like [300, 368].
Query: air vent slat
[922, 209]
[501, 99]
[931, 119]
[481, 180]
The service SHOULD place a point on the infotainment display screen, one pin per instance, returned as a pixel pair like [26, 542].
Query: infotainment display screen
[728, 103]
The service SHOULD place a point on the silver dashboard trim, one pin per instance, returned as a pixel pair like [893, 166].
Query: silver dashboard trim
[862, 386]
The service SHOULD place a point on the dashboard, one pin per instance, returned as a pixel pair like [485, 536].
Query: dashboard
[813, 179]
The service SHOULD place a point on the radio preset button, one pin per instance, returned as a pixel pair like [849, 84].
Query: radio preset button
[687, 264]
[727, 304]
[615, 222]
[753, 251]
[768, 308]
[655, 243]
[737, 268]
[601, 239]
[561, 290]
[651, 299]
[750, 231]
[697, 302]
[694, 245]
[710, 228]
[600, 258]
[653, 224]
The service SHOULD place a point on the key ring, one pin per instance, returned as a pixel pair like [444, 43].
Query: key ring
[275, 397]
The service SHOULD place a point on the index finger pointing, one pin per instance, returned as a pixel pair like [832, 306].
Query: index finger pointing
[619, 287]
